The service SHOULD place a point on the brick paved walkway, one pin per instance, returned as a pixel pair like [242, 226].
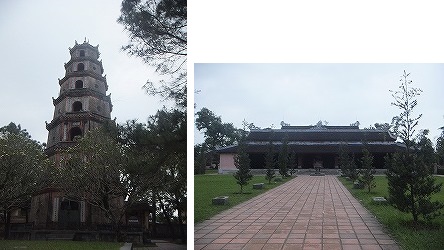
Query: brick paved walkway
[309, 212]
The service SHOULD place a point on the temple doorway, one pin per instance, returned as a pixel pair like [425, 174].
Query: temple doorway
[69, 214]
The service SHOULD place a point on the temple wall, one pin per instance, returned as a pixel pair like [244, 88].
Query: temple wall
[42, 208]
[226, 163]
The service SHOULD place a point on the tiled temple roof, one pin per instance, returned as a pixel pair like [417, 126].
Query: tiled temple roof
[323, 133]
[320, 139]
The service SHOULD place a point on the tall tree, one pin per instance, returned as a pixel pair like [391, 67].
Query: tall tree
[405, 99]
[383, 126]
[410, 182]
[97, 173]
[200, 158]
[217, 133]
[15, 129]
[168, 131]
[157, 164]
[424, 148]
[158, 35]
[23, 168]
[440, 147]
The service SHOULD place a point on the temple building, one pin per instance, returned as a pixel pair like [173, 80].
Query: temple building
[312, 145]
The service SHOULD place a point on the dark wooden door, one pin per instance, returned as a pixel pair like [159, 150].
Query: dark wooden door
[69, 215]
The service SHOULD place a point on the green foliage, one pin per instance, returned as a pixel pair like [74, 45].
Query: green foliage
[15, 129]
[425, 148]
[353, 172]
[440, 148]
[283, 159]
[421, 236]
[156, 154]
[411, 186]
[95, 171]
[293, 163]
[409, 174]
[347, 163]
[24, 169]
[269, 163]
[217, 134]
[383, 126]
[158, 35]
[405, 99]
[200, 158]
[367, 172]
[137, 162]
[343, 159]
[242, 163]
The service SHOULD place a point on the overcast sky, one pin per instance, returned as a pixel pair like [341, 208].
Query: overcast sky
[34, 41]
[314, 34]
[303, 94]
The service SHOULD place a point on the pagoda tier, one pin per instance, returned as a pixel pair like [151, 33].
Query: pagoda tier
[76, 116]
[83, 92]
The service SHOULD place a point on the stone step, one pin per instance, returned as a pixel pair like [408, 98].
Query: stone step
[60, 236]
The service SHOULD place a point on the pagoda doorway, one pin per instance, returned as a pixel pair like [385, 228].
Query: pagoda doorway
[69, 214]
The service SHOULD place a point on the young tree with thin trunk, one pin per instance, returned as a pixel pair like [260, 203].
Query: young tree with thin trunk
[293, 163]
[344, 159]
[353, 171]
[410, 182]
[367, 172]
[283, 159]
[270, 163]
[242, 163]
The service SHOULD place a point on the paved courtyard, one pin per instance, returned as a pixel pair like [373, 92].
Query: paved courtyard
[308, 212]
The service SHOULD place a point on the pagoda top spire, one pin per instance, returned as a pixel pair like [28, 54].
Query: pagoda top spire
[85, 44]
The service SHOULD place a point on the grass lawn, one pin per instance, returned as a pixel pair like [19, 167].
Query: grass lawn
[211, 171]
[57, 245]
[430, 237]
[206, 187]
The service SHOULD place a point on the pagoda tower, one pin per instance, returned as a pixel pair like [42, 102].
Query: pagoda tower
[82, 104]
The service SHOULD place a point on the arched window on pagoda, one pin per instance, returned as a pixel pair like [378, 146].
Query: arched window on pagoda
[80, 67]
[74, 133]
[77, 106]
[79, 84]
